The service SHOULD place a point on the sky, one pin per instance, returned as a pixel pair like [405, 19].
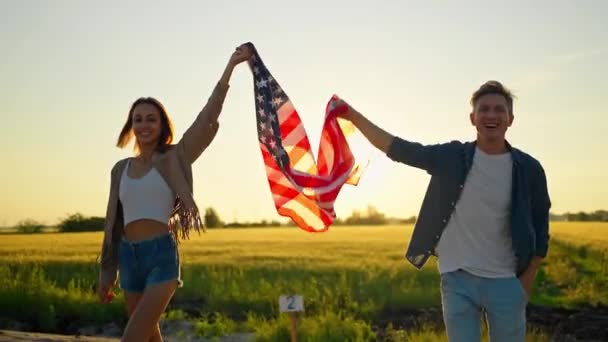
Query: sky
[71, 69]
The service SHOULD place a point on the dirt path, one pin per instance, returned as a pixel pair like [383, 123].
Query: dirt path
[20, 336]
[582, 324]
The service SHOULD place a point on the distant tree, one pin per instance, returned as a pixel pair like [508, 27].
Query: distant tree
[556, 217]
[598, 215]
[212, 219]
[260, 224]
[374, 216]
[80, 223]
[29, 226]
[409, 220]
[371, 217]
[234, 225]
[601, 215]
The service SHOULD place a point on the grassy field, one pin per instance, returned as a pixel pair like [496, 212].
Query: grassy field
[350, 278]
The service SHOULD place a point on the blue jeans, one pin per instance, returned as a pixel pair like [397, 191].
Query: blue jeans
[148, 262]
[503, 301]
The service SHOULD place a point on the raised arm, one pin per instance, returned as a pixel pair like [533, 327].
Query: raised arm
[200, 134]
[378, 137]
[411, 153]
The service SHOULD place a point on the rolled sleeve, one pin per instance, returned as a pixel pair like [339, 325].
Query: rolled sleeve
[414, 154]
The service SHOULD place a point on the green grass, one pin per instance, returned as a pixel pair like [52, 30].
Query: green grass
[432, 334]
[350, 277]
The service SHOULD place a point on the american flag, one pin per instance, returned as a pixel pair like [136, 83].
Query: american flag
[302, 189]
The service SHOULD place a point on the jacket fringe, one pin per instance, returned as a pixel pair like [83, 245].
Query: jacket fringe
[183, 220]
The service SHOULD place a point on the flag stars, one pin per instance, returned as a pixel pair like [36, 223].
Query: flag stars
[277, 91]
[276, 102]
[266, 130]
[272, 143]
[261, 83]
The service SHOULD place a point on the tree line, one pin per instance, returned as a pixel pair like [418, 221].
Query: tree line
[369, 217]
[581, 216]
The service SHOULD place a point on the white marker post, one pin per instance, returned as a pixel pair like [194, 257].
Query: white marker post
[292, 304]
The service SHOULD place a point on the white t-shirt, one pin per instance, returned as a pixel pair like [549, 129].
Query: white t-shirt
[477, 238]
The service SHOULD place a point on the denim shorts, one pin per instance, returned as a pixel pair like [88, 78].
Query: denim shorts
[148, 262]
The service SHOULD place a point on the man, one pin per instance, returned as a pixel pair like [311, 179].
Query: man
[485, 216]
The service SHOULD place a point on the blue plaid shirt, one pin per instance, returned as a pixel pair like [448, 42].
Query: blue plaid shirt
[448, 164]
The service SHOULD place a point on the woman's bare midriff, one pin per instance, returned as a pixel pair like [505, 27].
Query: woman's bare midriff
[145, 229]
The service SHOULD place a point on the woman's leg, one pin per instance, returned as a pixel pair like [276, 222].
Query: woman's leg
[132, 298]
[143, 321]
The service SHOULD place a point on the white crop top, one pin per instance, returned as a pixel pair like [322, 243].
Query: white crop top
[148, 197]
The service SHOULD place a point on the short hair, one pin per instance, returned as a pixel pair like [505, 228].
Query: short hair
[493, 87]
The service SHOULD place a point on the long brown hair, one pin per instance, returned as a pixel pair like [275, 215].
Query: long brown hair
[166, 134]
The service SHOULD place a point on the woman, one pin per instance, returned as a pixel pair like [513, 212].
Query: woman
[151, 203]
